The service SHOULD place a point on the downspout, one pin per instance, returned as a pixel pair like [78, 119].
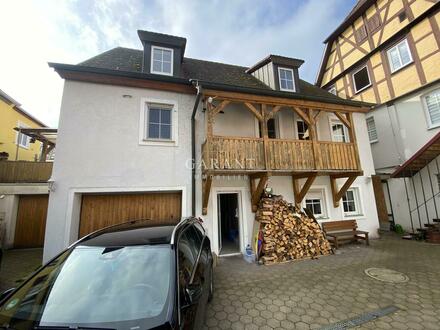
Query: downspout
[193, 145]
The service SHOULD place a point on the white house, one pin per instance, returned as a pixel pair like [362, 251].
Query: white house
[132, 121]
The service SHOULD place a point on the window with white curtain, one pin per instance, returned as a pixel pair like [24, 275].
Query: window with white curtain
[351, 202]
[399, 56]
[432, 106]
[371, 127]
[339, 131]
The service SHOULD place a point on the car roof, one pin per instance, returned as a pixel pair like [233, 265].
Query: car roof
[139, 232]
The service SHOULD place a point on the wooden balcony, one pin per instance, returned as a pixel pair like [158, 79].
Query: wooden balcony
[25, 171]
[241, 154]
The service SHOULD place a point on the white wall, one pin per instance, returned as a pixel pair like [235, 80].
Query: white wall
[98, 150]
[402, 129]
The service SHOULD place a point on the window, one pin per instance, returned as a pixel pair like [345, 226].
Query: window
[314, 205]
[162, 60]
[22, 139]
[271, 129]
[432, 106]
[332, 90]
[351, 202]
[371, 127]
[159, 122]
[361, 79]
[286, 79]
[339, 132]
[315, 202]
[399, 56]
[302, 130]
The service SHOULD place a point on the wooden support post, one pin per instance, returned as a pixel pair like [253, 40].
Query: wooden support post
[313, 138]
[256, 194]
[44, 151]
[252, 109]
[352, 135]
[337, 194]
[301, 193]
[343, 119]
[265, 136]
[206, 189]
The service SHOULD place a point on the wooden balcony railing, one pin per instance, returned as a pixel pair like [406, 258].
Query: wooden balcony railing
[25, 172]
[248, 154]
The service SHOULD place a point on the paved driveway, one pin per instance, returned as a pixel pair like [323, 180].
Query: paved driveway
[17, 264]
[316, 293]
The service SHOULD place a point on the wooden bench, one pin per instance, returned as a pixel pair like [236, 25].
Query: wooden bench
[342, 231]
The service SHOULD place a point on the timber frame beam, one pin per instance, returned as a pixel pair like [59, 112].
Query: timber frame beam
[298, 192]
[338, 194]
[206, 190]
[258, 190]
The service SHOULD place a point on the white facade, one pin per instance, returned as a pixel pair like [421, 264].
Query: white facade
[100, 149]
[402, 129]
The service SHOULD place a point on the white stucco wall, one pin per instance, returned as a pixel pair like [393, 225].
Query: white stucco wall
[98, 150]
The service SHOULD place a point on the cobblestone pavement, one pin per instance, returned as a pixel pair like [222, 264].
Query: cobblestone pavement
[315, 293]
[17, 264]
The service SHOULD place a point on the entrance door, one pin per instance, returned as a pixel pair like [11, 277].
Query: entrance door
[229, 228]
[31, 221]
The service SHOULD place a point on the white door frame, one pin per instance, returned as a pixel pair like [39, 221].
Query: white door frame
[242, 225]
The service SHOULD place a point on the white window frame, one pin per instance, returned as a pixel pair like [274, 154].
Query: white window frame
[357, 201]
[331, 89]
[333, 121]
[375, 129]
[172, 61]
[425, 107]
[143, 122]
[405, 41]
[293, 80]
[318, 192]
[17, 135]
[354, 81]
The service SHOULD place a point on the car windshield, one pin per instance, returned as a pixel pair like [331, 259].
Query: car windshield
[89, 286]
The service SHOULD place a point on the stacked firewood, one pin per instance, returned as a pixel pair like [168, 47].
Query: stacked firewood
[288, 233]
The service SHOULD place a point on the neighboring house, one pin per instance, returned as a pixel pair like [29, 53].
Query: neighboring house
[387, 52]
[23, 175]
[132, 121]
[12, 115]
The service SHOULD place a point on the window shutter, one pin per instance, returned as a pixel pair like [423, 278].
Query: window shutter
[371, 127]
[360, 34]
[433, 105]
[374, 22]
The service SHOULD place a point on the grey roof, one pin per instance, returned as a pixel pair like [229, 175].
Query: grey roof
[130, 60]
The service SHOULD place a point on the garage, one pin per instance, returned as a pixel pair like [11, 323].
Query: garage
[31, 221]
[102, 210]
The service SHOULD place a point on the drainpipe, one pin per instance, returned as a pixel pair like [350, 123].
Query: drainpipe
[193, 145]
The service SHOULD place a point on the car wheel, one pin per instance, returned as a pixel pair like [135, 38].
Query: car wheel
[211, 286]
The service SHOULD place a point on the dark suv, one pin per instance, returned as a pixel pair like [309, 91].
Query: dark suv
[127, 276]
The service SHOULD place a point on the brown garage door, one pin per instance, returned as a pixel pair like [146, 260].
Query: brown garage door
[31, 221]
[98, 211]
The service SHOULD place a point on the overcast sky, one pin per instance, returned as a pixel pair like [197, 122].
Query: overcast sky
[33, 33]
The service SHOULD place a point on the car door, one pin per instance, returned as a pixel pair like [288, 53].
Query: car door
[190, 282]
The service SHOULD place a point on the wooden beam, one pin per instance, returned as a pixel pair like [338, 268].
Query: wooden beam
[337, 194]
[273, 112]
[316, 115]
[282, 101]
[254, 111]
[343, 119]
[302, 114]
[301, 193]
[256, 194]
[220, 107]
[206, 189]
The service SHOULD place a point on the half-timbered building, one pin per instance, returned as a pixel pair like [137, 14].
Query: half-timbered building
[153, 134]
[387, 52]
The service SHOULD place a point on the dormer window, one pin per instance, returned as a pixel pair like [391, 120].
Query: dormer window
[286, 79]
[162, 60]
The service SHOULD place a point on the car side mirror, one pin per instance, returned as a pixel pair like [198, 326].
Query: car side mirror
[193, 293]
[6, 293]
